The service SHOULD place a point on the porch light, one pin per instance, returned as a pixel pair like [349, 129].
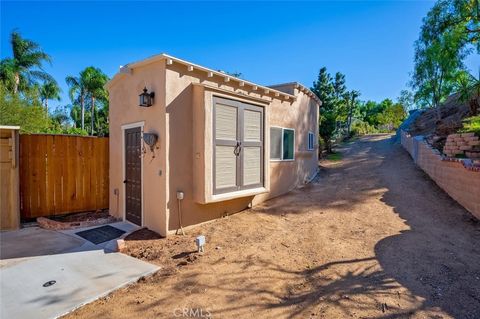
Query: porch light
[146, 99]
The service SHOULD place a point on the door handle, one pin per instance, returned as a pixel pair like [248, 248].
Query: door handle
[125, 181]
[238, 149]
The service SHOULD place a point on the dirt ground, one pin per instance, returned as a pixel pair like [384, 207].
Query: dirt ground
[373, 237]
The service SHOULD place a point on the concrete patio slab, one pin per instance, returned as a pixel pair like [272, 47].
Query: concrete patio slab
[83, 272]
[35, 241]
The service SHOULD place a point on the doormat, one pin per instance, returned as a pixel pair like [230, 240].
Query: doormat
[101, 234]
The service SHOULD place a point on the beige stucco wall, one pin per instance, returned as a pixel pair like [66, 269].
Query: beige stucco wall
[183, 156]
[186, 145]
[124, 110]
[302, 116]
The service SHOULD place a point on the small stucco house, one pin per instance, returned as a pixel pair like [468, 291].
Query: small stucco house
[203, 144]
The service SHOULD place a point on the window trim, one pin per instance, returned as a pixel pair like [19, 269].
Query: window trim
[310, 133]
[281, 149]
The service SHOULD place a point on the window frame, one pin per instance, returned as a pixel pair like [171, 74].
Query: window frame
[310, 133]
[281, 149]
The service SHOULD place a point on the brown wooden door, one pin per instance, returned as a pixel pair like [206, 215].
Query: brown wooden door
[133, 176]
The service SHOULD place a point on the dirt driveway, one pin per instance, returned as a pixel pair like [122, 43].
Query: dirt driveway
[374, 237]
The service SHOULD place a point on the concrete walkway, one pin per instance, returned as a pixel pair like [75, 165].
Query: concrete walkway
[83, 272]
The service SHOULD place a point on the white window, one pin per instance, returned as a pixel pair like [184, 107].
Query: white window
[311, 141]
[282, 144]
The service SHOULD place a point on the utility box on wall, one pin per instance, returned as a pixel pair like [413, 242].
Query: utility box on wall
[9, 178]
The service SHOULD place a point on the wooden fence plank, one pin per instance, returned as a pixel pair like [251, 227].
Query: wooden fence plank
[50, 174]
[24, 189]
[59, 179]
[62, 174]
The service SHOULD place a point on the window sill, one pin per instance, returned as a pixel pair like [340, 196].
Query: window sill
[238, 194]
[279, 161]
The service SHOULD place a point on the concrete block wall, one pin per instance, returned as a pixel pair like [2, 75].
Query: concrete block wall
[462, 184]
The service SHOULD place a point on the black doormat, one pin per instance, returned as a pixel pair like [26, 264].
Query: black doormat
[101, 234]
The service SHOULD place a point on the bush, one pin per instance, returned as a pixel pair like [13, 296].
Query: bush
[471, 125]
[362, 128]
[29, 115]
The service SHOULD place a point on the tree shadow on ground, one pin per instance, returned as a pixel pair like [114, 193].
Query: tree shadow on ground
[421, 259]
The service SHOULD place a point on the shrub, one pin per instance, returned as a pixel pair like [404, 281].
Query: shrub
[471, 125]
[362, 128]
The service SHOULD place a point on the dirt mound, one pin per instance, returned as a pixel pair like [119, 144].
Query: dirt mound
[453, 112]
[436, 131]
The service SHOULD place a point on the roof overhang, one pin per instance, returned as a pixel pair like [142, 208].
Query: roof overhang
[219, 76]
[301, 88]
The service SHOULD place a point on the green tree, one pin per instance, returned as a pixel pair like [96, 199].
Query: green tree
[324, 89]
[448, 33]
[25, 67]
[49, 91]
[406, 99]
[27, 113]
[78, 93]
[392, 116]
[351, 102]
[95, 81]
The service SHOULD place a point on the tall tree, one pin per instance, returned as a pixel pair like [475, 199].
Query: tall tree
[78, 93]
[351, 102]
[339, 86]
[331, 91]
[324, 89]
[448, 33]
[49, 91]
[25, 67]
[95, 81]
[406, 100]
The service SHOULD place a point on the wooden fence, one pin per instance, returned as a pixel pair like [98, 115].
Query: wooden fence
[62, 174]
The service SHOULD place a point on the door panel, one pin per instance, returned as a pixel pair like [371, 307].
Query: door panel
[133, 176]
[252, 125]
[226, 122]
[225, 168]
[252, 162]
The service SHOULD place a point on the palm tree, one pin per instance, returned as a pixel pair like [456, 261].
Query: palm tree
[78, 92]
[468, 88]
[26, 66]
[49, 91]
[95, 81]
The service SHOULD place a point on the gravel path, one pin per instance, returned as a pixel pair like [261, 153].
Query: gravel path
[373, 237]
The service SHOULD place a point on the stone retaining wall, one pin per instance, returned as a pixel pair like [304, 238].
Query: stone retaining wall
[456, 177]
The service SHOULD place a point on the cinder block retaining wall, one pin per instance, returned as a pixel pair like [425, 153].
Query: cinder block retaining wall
[460, 182]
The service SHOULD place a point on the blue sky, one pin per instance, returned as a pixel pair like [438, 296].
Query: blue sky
[269, 43]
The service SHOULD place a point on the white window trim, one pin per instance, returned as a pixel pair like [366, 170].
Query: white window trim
[310, 133]
[281, 145]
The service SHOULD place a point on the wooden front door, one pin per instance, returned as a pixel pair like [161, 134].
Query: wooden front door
[133, 176]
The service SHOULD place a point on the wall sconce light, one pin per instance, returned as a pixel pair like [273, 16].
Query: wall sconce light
[146, 99]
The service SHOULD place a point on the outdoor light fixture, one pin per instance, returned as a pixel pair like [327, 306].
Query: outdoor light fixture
[146, 99]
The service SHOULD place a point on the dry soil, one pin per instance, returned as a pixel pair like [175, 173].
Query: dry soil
[372, 237]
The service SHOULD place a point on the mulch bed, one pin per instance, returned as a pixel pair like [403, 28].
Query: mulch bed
[77, 220]
[81, 217]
